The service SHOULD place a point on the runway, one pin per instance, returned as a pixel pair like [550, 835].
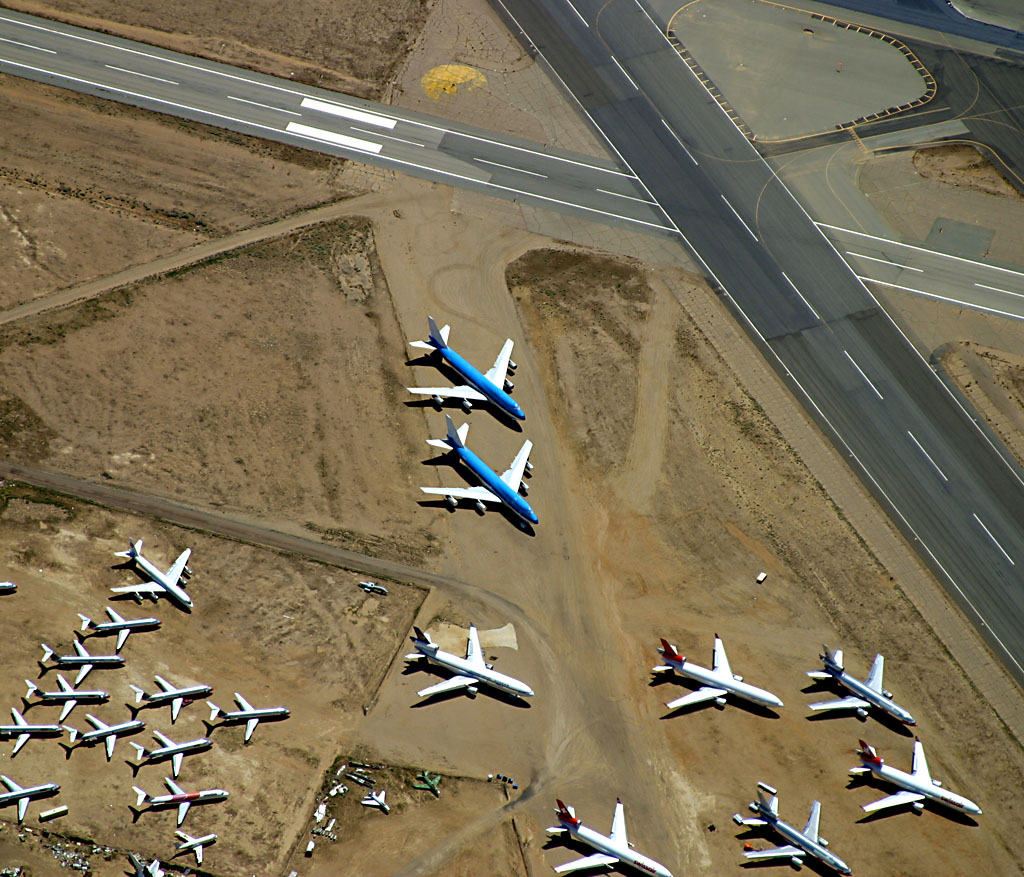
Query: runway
[312, 118]
[919, 452]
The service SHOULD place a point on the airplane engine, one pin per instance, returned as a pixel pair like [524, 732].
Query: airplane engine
[720, 702]
[936, 782]
[472, 690]
[918, 807]
[451, 501]
[436, 400]
[888, 694]
[512, 366]
[752, 807]
[529, 466]
[480, 507]
[524, 488]
[737, 818]
[822, 841]
[467, 406]
[796, 863]
[862, 713]
[509, 386]
[737, 678]
[186, 573]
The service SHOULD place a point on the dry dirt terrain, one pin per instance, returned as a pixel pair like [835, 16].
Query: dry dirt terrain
[962, 165]
[280, 630]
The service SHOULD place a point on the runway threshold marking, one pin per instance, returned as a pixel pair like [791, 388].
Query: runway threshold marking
[861, 372]
[255, 103]
[810, 307]
[330, 137]
[27, 46]
[740, 218]
[322, 106]
[995, 541]
[143, 75]
[680, 142]
[885, 262]
[928, 456]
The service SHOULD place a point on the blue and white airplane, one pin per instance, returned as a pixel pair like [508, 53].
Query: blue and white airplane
[492, 387]
[503, 489]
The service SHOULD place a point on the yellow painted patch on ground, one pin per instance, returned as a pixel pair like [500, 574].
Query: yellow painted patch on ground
[448, 78]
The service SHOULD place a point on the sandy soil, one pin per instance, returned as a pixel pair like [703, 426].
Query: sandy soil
[962, 165]
[131, 185]
[280, 630]
[352, 46]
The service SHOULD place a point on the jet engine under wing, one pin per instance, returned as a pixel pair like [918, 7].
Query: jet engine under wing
[903, 797]
[497, 373]
[513, 476]
[789, 851]
[698, 696]
[474, 493]
[844, 703]
[453, 684]
[597, 860]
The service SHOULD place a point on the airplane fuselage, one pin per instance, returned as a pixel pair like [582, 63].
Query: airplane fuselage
[89, 738]
[64, 696]
[796, 837]
[865, 691]
[93, 660]
[18, 730]
[164, 752]
[931, 791]
[272, 712]
[173, 589]
[490, 479]
[478, 381]
[188, 695]
[205, 796]
[28, 792]
[603, 844]
[464, 667]
[106, 627]
[730, 683]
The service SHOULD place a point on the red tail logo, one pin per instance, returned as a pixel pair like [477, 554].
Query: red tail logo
[669, 652]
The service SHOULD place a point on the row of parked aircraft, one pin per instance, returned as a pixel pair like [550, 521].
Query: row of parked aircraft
[509, 488]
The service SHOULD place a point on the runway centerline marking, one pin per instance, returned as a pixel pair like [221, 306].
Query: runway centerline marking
[574, 9]
[509, 167]
[322, 106]
[143, 75]
[27, 46]
[995, 541]
[885, 262]
[630, 197]
[689, 155]
[954, 301]
[997, 289]
[265, 106]
[740, 218]
[624, 73]
[928, 456]
[861, 372]
[810, 307]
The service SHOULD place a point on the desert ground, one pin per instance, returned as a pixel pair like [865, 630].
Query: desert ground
[266, 385]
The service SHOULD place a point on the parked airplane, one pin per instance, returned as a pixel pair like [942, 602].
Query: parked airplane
[493, 488]
[246, 713]
[376, 799]
[801, 843]
[23, 731]
[865, 694]
[178, 798]
[374, 588]
[611, 849]
[176, 697]
[153, 869]
[169, 749]
[117, 624]
[916, 786]
[719, 681]
[8, 587]
[67, 695]
[83, 660]
[24, 794]
[102, 731]
[161, 584]
[194, 845]
[492, 387]
[470, 671]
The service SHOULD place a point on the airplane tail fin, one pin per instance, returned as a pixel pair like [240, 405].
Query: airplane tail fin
[438, 336]
[32, 689]
[422, 636]
[139, 693]
[834, 657]
[47, 653]
[215, 711]
[142, 796]
[868, 753]
[86, 622]
[669, 651]
[138, 747]
[132, 552]
[455, 438]
[72, 733]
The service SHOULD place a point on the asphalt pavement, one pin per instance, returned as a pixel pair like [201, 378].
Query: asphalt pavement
[919, 452]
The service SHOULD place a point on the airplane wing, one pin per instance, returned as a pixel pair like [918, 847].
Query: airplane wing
[919, 769]
[460, 392]
[183, 811]
[122, 636]
[110, 743]
[874, 681]
[698, 696]
[114, 616]
[174, 573]
[844, 703]
[11, 784]
[243, 703]
[497, 373]
[81, 649]
[618, 834]
[143, 588]
[453, 684]
[721, 662]
[513, 476]
[903, 797]
[473, 652]
[173, 786]
[250, 726]
[176, 762]
[597, 860]
[19, 719]
[83, 671]
[22, 809]
[789, 851]
[176, 708]
[811, 828]
[475, 493]
[22, 740]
